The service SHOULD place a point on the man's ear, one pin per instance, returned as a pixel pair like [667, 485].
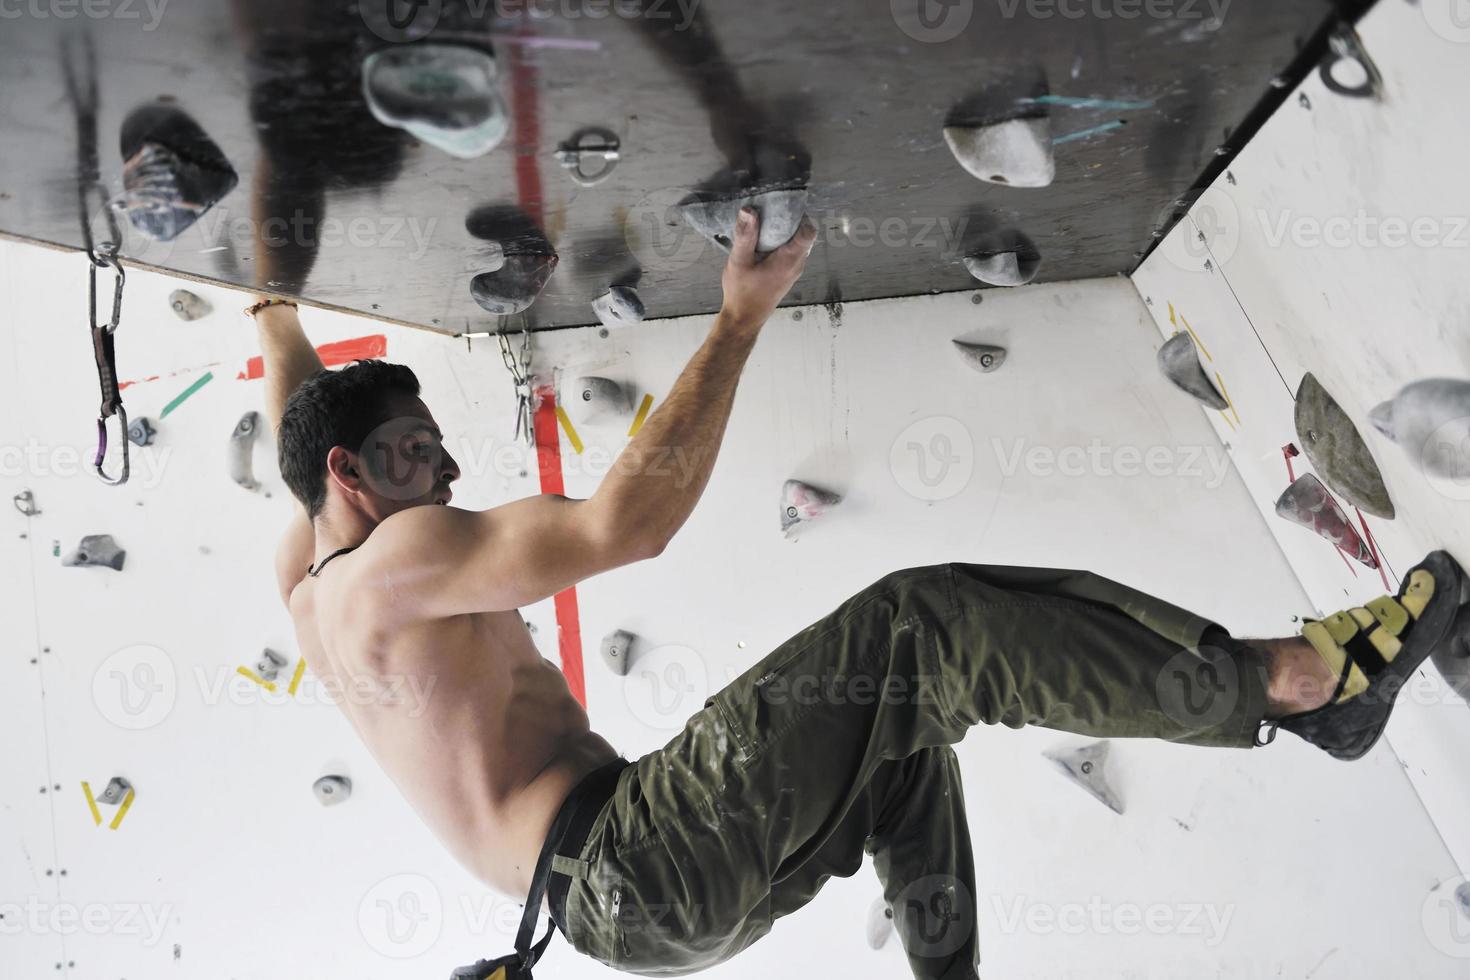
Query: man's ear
[343, 470]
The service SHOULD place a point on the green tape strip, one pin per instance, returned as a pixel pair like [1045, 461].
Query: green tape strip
[183, 395]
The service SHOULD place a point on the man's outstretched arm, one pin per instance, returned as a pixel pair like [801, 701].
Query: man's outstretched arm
[289, 360]
[438, 561]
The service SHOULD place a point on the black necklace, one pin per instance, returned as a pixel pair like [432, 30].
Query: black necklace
[315, 570]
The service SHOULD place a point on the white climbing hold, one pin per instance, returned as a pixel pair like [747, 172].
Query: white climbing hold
[332, 790]
[617, 651]
[780, 214]
[802, 503]
[982, 357]
[1430, 420]
[1086, 765]
[1179, 362]
[1016, 152]
[444, 94]
[880, 924]
[618, 307]
[514, 286]
[593, 400]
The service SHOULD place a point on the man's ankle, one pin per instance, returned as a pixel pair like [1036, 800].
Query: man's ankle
[1298, 679]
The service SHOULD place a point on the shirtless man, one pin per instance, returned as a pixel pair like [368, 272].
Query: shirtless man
[835, 745]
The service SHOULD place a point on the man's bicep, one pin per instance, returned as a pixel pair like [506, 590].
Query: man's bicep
[451, 561]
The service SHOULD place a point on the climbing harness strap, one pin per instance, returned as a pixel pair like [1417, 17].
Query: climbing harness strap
[569, 831]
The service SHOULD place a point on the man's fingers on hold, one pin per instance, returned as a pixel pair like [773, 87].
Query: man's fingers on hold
[747, 230]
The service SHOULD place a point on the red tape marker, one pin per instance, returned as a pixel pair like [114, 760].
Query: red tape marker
[568, 619]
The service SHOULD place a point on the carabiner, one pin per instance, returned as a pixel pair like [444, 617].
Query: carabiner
[101, 456]
[105, 257]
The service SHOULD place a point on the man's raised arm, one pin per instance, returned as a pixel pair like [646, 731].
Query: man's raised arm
[289, 360]
[439, 561]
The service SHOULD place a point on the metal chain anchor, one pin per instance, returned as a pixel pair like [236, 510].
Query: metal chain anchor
[520, 373]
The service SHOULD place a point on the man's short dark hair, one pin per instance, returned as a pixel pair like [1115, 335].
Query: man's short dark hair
[335, 408]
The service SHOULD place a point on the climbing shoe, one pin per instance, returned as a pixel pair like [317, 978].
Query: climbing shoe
[1374, 650]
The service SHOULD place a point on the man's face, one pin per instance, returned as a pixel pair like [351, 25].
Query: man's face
[403, 462]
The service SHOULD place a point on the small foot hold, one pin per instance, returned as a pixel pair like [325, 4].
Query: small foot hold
[617, 651]
[1430, 420]
[1309, 503]
[141, 431]
[1087, 766]
[780, 213]
[117, 790]
[332, 790]
[981, 357]
[802, 503]
[1179, 362]
[96, 551]
[189, 306]
[443, 94]
[1337, 451]
[1016, 152]
[618, 307]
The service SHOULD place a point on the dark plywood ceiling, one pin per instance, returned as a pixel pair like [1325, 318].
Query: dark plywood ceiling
[851, 96]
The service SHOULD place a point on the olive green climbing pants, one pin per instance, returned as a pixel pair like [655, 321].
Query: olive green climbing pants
[838, 744]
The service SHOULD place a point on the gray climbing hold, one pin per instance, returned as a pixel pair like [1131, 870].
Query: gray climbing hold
[1430, 420]
[96, 551]
[514, 286]
[592, 143]
[1087, 766]
[617, 651]
[270, 664]
[117, 790]
[780, 214]
[802, 503]
[1005, 258]
[981, 357]
[880, 924]
[618, 307]
[242, 450]
[332, 790]
[189, 306]
[1337, 450]
[1179, 361]
[598, 399]
[1307, 502]
[1016, 152]
[443, 94]
[141, 431]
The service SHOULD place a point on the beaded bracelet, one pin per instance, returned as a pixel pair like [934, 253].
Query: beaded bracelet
[255, 308]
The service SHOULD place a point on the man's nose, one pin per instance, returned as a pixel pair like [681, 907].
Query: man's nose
[450, 471]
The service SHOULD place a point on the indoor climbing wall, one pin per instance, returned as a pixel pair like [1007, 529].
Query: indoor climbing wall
[1047, 438]
[1336, 246]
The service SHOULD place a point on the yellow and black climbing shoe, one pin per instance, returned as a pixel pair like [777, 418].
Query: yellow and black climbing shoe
[1375, 649]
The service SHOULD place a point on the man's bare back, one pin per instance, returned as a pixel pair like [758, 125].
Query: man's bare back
[418, 601]
[476, 728]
